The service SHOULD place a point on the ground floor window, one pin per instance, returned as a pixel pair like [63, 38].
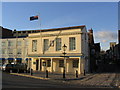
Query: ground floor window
[75, 63]
[61, 63]
[48, 63]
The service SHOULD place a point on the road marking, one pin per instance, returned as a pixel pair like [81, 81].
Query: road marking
[29, 76]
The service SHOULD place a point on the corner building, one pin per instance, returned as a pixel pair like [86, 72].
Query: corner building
[45, 50]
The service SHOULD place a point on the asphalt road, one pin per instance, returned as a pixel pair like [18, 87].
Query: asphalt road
[12, 81]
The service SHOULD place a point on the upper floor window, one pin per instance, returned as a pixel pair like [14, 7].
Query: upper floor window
[10, 43]
[72, 43]
[19, 43]
[34, 45]
[58, 44]
[46, 44]
[3, 43]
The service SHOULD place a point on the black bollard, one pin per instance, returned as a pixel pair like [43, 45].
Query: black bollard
[18, 71]
[84, 72]
[76, 74]
[46, 73]
[31, 72]
[64, 73]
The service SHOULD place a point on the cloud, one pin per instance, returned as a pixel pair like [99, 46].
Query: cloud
[105, 36]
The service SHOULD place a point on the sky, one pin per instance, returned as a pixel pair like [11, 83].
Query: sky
[102, 17]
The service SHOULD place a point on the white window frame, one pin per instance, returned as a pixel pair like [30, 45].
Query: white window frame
[72, 43]
[58, 44]
[46, 44]
[34, 45]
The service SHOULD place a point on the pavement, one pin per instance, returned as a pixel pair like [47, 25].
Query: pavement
[52, 76]
[88, 80]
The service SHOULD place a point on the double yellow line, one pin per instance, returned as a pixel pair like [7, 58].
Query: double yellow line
[29, 76]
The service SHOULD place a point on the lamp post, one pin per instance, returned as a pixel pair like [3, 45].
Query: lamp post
[64, 53]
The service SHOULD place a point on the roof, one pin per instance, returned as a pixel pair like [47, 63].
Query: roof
[13, 37]
[54, 29]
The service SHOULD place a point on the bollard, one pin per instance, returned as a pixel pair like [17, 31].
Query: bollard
[64, 73]
[46, 73]
[31, 72]
[17, 70]
[76, 74]
[84, 73]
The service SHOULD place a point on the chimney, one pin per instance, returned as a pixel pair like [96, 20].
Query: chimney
[91, 37]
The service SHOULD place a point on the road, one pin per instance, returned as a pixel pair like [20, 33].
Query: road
[12, 81]
[104, 79]
[108, 77]
[101, 80]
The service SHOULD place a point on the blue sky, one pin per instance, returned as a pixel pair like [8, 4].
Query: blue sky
[102, 17]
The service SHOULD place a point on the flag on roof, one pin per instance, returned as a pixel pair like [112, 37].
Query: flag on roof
[33, 18]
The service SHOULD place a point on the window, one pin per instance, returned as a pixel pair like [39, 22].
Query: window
[58, 44]
[72, 44]
[75, 63]
[48, 63]
[19, 43]
[3, 44]
[46, 43]
[61, 63]
[10, 43]
[34, 45]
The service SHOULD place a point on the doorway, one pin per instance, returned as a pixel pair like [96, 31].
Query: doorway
[37, 64]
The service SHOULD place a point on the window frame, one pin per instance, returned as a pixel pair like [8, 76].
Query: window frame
[58, 44]
[72, 43]
[34, 45]
[46, 44]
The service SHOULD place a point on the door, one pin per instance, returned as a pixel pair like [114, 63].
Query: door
[37, 64]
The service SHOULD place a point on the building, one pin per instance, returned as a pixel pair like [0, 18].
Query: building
[24, 32]
[4, 32]
[112, 44]
[14, 49]
[45, 50]
[113, 53]
[118, 36]
[94, 51]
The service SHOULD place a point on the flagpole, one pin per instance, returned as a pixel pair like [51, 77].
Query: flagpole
[39, 19]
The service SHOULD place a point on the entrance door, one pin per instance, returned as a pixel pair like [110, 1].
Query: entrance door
[37, 64]
[40, 65]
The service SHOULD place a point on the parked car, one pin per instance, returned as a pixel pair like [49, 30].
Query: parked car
[7, 67]
[20, 67]
[14, 67]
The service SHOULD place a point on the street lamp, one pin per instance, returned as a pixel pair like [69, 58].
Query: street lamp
[64, 53]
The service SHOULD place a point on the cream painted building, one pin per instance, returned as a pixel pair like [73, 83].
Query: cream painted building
[14, 49]
[46, 50]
